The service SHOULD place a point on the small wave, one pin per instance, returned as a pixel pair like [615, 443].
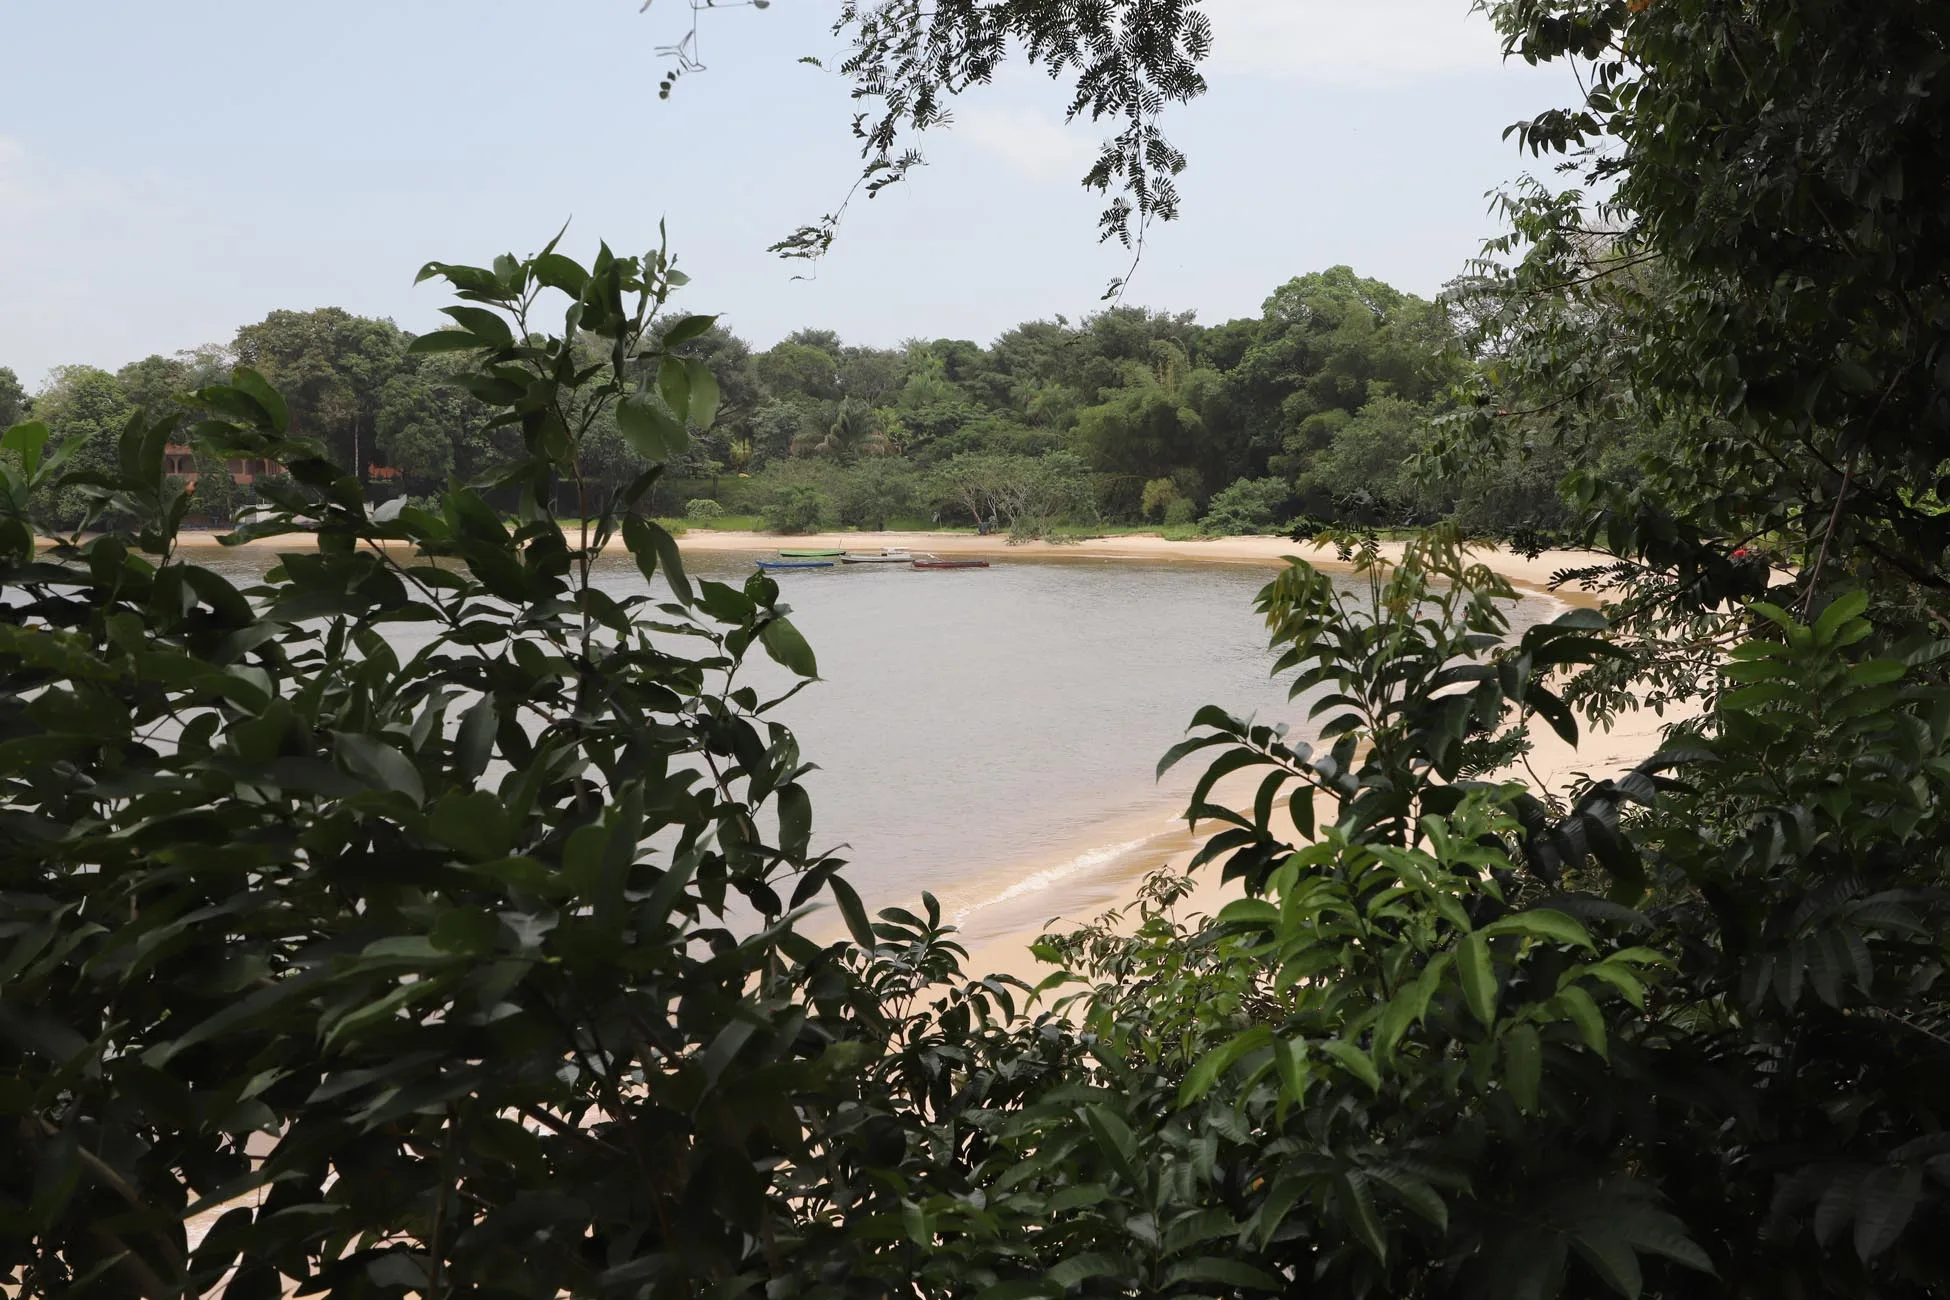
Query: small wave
[1038, 881]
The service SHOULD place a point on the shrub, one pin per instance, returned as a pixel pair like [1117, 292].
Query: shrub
[875, 490]
[484, 946]
[798, 508]
[702, 508]
[1247, 506]
[1179, 513]
[1160, 494]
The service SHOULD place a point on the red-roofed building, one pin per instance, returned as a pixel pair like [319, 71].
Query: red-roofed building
[181, 461]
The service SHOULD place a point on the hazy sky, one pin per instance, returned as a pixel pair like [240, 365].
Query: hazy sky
[170, 171]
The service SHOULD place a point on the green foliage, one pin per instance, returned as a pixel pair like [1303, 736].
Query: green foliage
[427, 890]
[853, 431]
[798, 508]
[703, 508]
[1247, 506]
[84, 406]
[14, 402]
[1128, 59]
[1180, 513]
[333, 368]
[1159, 416]
[875, 490]
[1026, 495]
[1762, 297]
[1360, 1070]
[1364, 474]
[1139, 395]
[1159, 495]
[1452, 1044]
[217, 494]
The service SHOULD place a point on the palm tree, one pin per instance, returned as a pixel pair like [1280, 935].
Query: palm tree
[855, 431]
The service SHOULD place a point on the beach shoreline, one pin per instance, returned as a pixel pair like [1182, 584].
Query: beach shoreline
[1552, 766]
[1072, 894]
[1527, 573]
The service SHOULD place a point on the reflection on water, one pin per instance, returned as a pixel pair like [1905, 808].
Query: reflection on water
[988, 734]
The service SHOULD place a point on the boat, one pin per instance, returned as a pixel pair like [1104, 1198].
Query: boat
[932, 563]
[810, 554]
[880, 557]
[794, 564]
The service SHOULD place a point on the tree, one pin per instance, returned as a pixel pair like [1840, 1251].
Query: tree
[740, 394]
[798, 508]
[1247, 506]
[14, 402]
[1799, 124]
[875, 490]
[1027, 494]
[1129, 59]
[854, 431]
[334, 367]
[791, 370]
[1160, 494]
[1152, 425]
[410, 431]
[1365, 475]
[84, 405]
[1328, 343]
[153, 381]
[774, 426]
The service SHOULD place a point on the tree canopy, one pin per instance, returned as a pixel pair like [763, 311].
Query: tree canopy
[1135, 395]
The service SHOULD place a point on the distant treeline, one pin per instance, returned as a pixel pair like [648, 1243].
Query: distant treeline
[1313, 410]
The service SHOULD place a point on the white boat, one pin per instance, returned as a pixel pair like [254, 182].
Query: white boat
[877, 557]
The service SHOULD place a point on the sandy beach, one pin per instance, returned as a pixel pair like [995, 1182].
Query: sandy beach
[1553, 765]
[1533, 573]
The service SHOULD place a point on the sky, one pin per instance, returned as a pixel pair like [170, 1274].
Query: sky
[170, 172]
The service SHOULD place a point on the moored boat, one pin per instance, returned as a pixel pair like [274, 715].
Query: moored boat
[877, 557]
[810, 554]
[794, 564]
[951, 563]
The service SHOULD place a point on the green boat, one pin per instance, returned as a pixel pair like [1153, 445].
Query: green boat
[810, 554]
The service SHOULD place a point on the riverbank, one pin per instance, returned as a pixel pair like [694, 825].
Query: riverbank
[1531, 573]
[1552, 766]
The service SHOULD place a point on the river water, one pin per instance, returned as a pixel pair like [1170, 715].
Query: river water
[992, 735]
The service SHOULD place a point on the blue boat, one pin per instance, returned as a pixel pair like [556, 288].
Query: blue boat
[794, 564]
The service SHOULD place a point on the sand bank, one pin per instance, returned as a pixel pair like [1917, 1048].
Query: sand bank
[1552, 766]
[1533, 573]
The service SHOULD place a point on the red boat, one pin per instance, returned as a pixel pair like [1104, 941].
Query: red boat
[951, 564]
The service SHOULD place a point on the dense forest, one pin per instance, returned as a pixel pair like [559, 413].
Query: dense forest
[1317, 409]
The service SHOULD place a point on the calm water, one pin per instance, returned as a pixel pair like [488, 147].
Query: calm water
[992, 734]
